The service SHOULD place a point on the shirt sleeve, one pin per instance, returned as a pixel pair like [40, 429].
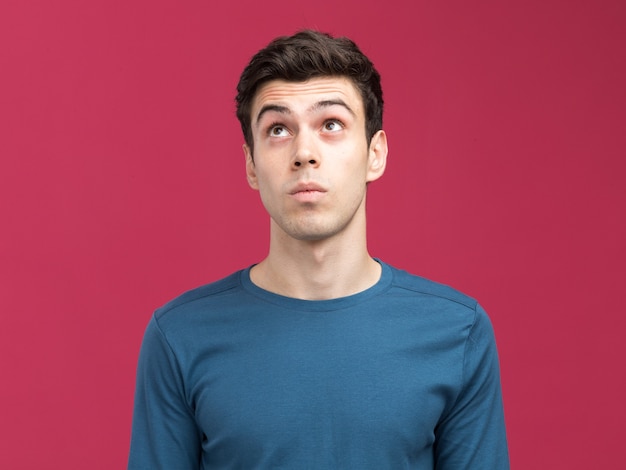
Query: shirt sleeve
[164, 432]
[472, 433]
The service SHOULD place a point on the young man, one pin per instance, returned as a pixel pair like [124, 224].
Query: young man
[319, 356]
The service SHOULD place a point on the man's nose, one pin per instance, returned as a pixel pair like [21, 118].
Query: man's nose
[305, 151]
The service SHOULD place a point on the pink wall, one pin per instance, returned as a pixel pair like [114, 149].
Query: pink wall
[122, 184]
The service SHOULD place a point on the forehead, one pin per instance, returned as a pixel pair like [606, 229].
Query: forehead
[302, 95]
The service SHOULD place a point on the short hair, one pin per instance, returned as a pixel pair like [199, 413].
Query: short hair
[305, 55]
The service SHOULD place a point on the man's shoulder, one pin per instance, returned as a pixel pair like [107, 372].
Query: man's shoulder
[406, 283]
[193, 299]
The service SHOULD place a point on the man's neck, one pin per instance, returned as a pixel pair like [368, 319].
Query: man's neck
[317, 270]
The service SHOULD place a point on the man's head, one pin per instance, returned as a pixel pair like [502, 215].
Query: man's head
[305, 55]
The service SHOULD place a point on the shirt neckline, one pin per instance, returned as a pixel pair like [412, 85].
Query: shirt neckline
[383, 283]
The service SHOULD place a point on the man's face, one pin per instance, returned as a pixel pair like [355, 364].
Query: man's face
[311, 161]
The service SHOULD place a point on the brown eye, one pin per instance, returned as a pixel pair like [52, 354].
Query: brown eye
[277, 131]
[333, 126]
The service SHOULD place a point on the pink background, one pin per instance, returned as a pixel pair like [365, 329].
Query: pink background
[122, 185]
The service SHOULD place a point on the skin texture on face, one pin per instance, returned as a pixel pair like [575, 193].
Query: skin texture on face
[311, 161]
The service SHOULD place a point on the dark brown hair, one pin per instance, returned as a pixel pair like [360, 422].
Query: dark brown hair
[305, 55]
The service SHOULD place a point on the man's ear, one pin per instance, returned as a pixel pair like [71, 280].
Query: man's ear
[250, 168]
[377, 156]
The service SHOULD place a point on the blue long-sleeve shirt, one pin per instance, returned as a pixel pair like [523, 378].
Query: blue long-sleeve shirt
[401, 376]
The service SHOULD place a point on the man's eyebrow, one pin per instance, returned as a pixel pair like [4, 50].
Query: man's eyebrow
[272, 107]
[328, 103]
[316, 107]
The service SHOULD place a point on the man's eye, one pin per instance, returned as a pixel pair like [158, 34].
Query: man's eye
[333, 125]
[278, 131]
